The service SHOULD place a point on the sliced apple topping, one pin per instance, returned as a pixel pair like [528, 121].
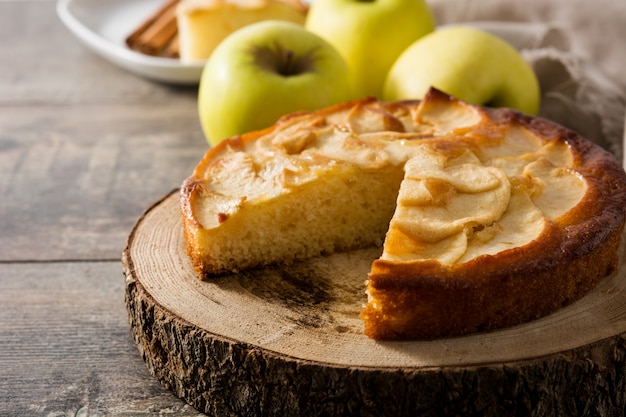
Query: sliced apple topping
[442, 201]
[367, 118]
[296, 142]
[520, 224]
[446, 115]
[560, 188]
[456, 205]
[515, 141]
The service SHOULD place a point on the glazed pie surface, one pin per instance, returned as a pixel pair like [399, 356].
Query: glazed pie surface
[485, 217]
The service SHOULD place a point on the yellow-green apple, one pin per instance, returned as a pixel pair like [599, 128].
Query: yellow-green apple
[468, 63]
[264, 71]
[370, 34]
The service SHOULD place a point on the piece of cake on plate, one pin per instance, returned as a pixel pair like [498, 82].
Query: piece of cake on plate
[203, 24]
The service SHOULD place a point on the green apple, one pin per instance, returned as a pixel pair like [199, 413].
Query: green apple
[468, 63]
[264, 71]
[370, 34]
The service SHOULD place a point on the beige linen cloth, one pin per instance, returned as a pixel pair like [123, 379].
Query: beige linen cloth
[578, 50]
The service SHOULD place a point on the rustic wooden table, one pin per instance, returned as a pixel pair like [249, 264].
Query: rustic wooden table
[85, 148]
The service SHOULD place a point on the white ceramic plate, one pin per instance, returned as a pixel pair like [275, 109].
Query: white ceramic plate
[103, 27]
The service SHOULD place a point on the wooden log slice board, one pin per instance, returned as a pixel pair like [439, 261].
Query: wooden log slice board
[288, 341]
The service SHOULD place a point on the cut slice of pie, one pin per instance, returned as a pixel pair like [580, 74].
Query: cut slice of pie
[486, 217]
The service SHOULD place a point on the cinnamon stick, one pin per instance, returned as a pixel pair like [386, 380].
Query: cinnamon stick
[156, 32]
[172, 50]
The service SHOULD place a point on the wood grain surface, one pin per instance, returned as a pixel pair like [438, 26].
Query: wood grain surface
[85, 147]
[308, 313]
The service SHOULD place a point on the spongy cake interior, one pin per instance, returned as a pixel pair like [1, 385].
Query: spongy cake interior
[346, 210]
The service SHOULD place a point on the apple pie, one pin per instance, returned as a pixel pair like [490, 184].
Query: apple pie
[486, 218]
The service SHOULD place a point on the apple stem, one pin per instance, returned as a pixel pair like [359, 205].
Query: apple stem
[287, 62]
[283, 61]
